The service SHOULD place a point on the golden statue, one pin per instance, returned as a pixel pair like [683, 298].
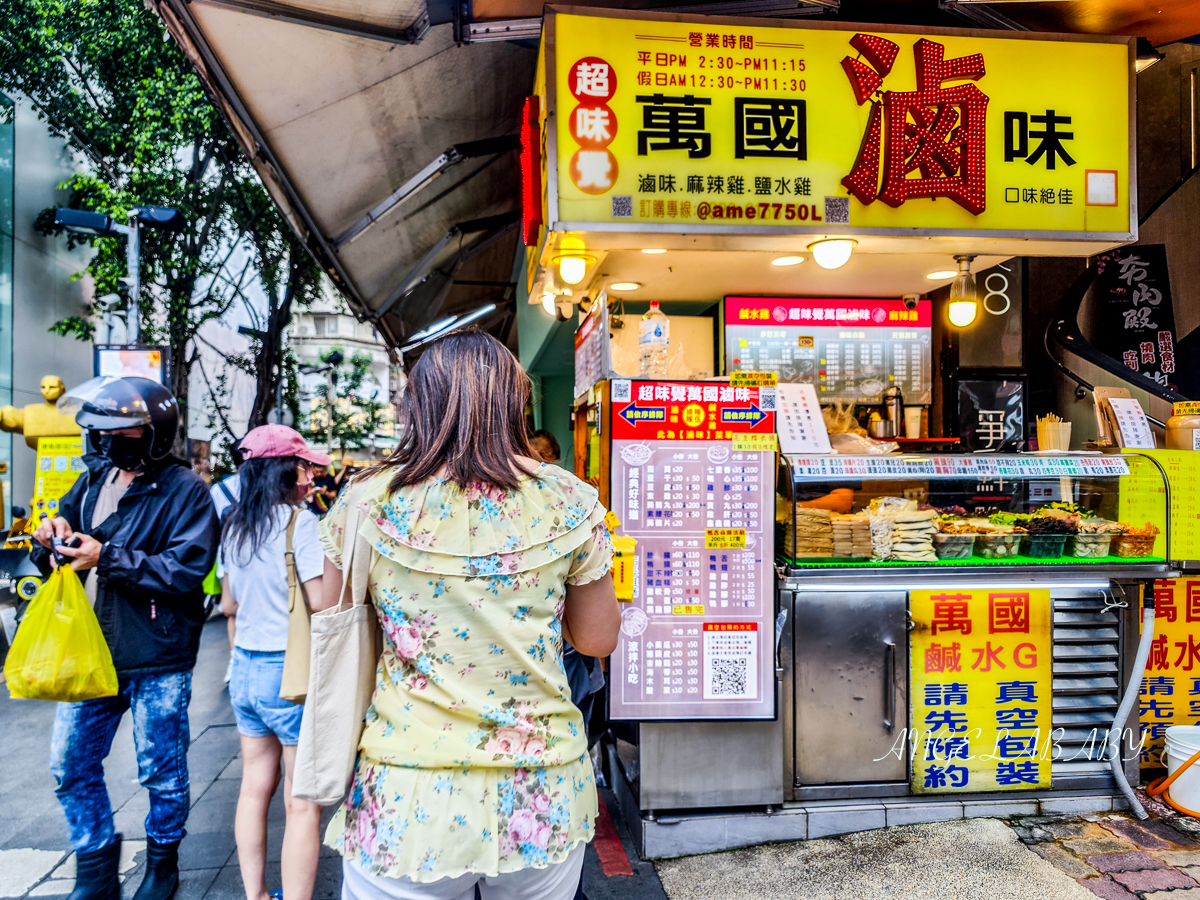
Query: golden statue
[39, 420]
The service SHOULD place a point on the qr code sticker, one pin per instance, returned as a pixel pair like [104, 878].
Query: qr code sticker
[729, 677]
[837, 210]
[622, 391]
[766, 399]
[622, 206]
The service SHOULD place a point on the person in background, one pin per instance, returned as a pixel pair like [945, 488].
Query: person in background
[146, 536]
[545, 445]
[224, 494]
[275, 479]
[473, 768]
[323, 491]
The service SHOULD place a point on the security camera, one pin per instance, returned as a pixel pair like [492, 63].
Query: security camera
[911, 301]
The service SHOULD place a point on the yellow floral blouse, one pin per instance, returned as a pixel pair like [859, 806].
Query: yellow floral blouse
[474, 758]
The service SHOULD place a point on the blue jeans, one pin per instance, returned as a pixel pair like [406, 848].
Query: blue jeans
[83, 736]
[254, 694]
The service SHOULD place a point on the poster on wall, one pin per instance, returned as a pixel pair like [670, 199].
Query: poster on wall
[989, 410]
[697, 642]
[980, 690]
[1134, 316]
[848, 349]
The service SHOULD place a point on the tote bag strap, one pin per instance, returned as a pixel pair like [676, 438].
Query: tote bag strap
[358, 555]
[295, 588]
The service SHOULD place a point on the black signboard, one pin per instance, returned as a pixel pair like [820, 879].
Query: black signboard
[989, 409]
[1135, 321]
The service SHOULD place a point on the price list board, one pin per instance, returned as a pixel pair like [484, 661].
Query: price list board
[848, 349]
[823, 467]
[697, 640]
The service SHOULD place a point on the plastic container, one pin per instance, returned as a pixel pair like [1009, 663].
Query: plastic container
[1183, 428]
[997, 546]
[1182, 743]
[1089, 546]
[1043, 546]
[654, 338]
[954, 546]
[1128, 545]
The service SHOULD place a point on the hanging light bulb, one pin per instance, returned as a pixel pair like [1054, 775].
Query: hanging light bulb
[571, 269]
[832, 254]
[964, 298]
[548, 303]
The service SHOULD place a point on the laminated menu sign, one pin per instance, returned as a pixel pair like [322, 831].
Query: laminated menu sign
[848, 349]
[592, 348]
[980, 690]
[818, 467]
[696, 641]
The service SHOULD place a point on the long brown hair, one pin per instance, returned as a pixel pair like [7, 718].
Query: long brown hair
[464, 409]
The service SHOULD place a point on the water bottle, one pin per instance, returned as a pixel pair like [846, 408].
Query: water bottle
[654, 334]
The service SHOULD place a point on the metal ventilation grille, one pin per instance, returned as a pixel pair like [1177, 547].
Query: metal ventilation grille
[1086, 685]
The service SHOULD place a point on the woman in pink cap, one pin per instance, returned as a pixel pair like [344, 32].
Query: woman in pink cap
[274, 482]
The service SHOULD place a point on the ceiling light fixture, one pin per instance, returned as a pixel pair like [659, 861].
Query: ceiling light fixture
[653, 251]
[939, 276]
[625, 286]
[964, 298]
[571, 269]
[787, 261]
[833, 253]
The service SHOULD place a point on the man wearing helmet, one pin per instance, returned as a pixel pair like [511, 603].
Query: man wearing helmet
[144, 522]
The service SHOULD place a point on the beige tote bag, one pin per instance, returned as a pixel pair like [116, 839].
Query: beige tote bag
[294, 686]
[341, 682]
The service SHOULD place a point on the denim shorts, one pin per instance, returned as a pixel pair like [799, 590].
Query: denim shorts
[254, 692]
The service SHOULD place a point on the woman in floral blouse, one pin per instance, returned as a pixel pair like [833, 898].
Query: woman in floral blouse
[473, 767]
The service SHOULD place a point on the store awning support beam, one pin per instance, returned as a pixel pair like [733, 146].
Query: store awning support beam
[451, 157]
[500, 225]
[269, 9]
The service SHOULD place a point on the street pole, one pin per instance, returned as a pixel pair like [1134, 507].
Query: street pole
[133, 263]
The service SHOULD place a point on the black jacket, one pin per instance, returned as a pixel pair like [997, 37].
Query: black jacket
[149, 599]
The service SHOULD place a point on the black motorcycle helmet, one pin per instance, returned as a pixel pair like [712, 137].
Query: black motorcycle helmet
[108, 403]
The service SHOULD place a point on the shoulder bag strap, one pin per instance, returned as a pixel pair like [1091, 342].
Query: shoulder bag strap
[295, 588]
[357, 553]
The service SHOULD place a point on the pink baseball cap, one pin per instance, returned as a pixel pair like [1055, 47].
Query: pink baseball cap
[274, 441]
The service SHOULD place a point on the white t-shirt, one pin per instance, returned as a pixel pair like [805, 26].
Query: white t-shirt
[260, 585]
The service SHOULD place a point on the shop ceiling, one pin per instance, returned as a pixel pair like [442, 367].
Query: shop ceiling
[341, 104]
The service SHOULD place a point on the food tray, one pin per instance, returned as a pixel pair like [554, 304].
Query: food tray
[1043, 546]
[997, 546]
[1089, 546]
[953, 546]
[1128, 545]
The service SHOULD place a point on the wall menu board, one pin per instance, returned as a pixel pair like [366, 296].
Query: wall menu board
[848, 349]
[980, 690]
[697, 642]
[592, 351]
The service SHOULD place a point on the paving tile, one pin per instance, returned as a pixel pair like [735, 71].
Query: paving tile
[1138, 833]
[1107, 888]
[1179, 857]
[1191, 872]
[1063, 861]
[53, 888]
[1154, 880]
[21, 869]
[1088, 846]
[194, 883]
[1182, 894]
[1163, 829]
[1131, 861]
[1065, 830]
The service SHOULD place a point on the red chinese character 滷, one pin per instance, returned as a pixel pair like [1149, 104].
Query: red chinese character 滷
[950, 613]
[1193, 600]
[936, 131]
[1008, 613]
[1164, 601]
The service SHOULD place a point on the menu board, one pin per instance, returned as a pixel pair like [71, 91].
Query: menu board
[1143, 499]
[979, 466]
[697, 642]
[59, 462]
[848, 349]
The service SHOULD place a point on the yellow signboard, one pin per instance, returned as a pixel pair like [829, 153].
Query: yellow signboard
[1170, 693]
[724, 538]
[59, 462]
[753, 379]
[795, 128]
[980, 690]
[1143, 499]
[750, 441]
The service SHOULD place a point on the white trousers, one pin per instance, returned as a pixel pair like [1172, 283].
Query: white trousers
[555, 882]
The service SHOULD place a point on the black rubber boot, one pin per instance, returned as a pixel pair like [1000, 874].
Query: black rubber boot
[162, 871]
[96, 873]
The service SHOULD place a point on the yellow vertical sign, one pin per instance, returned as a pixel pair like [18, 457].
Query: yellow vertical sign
[1170, 693]
[980, 690]
[1143, 499]
[59, 462]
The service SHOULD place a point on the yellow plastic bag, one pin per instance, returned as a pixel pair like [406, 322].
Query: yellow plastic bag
[59, 652]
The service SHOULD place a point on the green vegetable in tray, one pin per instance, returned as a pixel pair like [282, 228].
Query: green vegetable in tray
[1005, 518]
[1074, 508]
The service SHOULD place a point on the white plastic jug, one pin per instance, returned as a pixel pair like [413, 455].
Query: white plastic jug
[1183, 742]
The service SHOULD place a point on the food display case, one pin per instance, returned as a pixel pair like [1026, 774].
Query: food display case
[960, 624]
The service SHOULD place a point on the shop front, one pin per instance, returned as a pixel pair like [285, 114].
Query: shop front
[836, 616]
